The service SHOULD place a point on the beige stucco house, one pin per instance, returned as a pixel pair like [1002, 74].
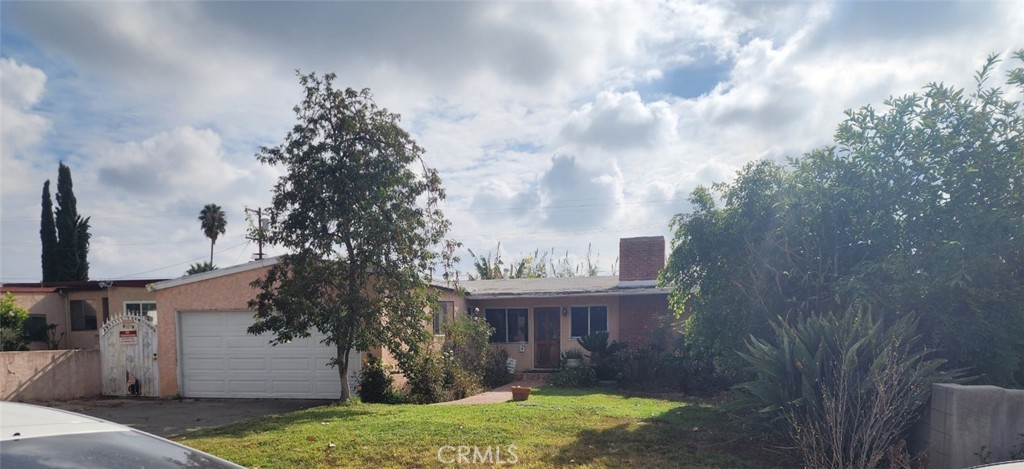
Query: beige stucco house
[79, 308]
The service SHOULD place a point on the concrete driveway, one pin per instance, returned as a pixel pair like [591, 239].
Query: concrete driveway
[169, 417]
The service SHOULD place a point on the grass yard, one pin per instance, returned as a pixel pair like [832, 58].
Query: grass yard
[555, 427]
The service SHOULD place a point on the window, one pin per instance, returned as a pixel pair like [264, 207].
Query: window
[141, 308]
[443, 314]
[587, 320]
[510, 325]
[83, 316]
[35, 328]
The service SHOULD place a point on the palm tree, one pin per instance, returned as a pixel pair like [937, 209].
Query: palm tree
[213, 223]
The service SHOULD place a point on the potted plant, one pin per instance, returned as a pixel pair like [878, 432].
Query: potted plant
[521, 393]
[572, 358]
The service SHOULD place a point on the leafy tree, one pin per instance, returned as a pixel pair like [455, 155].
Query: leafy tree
[915, 210]
[200, 267]
[12, 324]
[48, 236]
[214, 223]
[70, 257]
[358, 211]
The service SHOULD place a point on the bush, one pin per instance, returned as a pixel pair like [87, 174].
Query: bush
[12, 324]
[458, 367]
[584, 377]
[843, 388]
[425, 377]
[496, 372]
[375, 382]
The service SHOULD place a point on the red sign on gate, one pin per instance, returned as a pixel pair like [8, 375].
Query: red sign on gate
[129, 336]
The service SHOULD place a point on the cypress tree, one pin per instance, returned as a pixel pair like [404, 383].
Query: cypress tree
[82, 238]
[48, 235]
[69, 253]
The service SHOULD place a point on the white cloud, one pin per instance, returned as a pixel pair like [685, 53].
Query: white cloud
[621, 120]
[159, 107]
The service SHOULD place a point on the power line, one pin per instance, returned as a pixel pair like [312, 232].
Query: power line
[179, 263]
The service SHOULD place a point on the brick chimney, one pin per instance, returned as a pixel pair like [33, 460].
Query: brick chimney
[641, 258]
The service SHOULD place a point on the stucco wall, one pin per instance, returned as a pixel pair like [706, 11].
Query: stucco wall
[50, 375]
[50, 305]
[969, 421]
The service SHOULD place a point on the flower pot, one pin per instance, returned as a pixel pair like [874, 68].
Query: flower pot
[520, 393]
[573, 362]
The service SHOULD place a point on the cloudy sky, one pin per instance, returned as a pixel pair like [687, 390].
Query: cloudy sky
[553, 125]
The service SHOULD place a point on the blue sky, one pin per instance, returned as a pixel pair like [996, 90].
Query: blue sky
[554, 125]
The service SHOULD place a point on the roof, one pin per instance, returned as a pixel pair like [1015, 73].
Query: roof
[560, 286]
[212, 274]
[78, 285]
[26, 289]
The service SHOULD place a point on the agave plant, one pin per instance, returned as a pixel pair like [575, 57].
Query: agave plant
[845, 388]
[599, 347]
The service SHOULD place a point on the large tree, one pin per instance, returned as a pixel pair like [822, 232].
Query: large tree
[213, 223]
[71, 253]
[914, 210]
[48, 236]
[358, 211]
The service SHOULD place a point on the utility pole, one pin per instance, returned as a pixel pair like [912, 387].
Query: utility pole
[260, 226]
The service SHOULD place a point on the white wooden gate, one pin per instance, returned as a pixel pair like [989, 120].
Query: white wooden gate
[128, 356]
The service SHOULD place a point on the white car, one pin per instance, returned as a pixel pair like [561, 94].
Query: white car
[41, 437]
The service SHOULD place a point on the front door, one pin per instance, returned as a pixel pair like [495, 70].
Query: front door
[547, 347]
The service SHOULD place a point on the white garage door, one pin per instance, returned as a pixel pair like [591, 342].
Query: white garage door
[219, 359]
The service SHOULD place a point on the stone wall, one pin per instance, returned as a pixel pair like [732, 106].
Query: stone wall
[50, 375]
[969, 423]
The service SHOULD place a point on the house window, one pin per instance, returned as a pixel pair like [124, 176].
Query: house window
[141, 308]
[83, 316]
[510, 325]
[35, 328]
[443, 314]
[587, 320]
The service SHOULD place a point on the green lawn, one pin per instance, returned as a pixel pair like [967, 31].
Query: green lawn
[555, 427]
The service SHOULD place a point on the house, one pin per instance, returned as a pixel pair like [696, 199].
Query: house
[78, 308]
[205, 351]
[537, 319]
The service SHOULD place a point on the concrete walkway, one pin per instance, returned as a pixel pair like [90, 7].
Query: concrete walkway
[494, 396]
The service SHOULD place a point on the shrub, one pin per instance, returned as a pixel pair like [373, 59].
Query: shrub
[12, 324]
[375, 382]
[496, 370]
[584, 377]
[425, 377]
[467, 341]
[457, 367]
[844, 388]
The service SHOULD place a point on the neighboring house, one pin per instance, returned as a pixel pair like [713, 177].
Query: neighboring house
[78, 308]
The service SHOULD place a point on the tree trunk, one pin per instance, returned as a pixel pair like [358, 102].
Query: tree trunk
[343, 372]
[211, 251]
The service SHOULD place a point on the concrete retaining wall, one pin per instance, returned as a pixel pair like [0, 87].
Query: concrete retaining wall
[50, 375]
[964, 419]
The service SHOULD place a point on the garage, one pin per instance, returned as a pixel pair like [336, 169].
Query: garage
[219, 359]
